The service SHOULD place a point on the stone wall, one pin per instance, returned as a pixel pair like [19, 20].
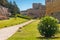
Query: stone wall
[53, 8]
[4, 13]
[37, 11]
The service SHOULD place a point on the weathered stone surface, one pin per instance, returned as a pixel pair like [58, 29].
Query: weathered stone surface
[4, 13]
[53, 8]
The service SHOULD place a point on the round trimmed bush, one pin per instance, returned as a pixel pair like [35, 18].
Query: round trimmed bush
[48, 26]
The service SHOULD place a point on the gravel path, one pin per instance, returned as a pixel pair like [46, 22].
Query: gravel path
[5, 33]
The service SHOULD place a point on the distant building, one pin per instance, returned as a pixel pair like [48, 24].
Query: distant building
[36, 5]
[4, 13]
[24, 12]
[53, 8]
[37, 10]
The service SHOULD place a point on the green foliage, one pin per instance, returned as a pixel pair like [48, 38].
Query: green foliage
[23, 16]
[3, 2]
[13, 8]
[48, 26]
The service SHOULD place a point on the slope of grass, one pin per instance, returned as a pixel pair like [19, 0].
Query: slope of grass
[11, 22]
[30, 32]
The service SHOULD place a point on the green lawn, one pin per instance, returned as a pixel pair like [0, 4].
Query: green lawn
[11, 22]
[30, 32]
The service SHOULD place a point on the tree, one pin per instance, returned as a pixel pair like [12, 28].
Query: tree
[13, 8]
[16, 9]
[3, 3]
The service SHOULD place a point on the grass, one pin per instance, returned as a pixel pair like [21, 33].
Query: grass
[30, 32]
[11, 22]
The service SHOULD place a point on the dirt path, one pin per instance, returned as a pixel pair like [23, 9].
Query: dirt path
[5, 33]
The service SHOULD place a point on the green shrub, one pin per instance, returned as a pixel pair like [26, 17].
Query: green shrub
[48, 26]
[25, 17]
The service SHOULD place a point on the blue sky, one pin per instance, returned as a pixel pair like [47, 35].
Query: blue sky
[26, 4]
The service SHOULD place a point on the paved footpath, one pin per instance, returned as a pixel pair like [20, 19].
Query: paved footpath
[5, 33]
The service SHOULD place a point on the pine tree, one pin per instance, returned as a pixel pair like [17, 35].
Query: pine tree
[15, 9]
[3, 3]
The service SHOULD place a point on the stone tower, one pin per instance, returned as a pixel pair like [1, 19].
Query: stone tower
[53, 8]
